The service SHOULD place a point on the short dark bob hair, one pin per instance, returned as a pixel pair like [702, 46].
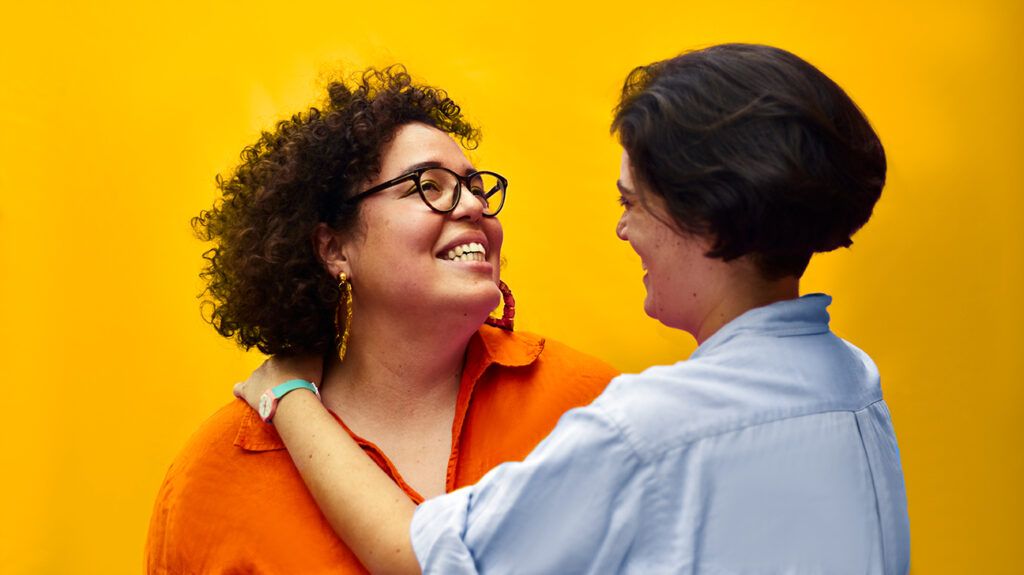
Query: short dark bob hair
[755, 149]
[266, 285]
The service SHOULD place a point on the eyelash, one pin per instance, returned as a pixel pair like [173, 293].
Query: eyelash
[624, 202]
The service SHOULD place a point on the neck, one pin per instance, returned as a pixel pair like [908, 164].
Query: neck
[743, 295]
[396, 368]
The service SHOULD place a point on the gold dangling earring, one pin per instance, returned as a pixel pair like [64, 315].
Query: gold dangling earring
[344, 299]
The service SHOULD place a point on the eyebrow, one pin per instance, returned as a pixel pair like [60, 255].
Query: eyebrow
[434, 164]
[623, 189]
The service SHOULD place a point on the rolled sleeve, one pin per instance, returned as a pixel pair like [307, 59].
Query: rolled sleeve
[574, 505]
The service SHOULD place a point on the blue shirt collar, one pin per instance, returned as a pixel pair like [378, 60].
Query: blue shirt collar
[805, 315]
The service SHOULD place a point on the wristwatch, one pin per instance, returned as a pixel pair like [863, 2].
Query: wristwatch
[270, 397]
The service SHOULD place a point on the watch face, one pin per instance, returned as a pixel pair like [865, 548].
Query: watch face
[265, 404]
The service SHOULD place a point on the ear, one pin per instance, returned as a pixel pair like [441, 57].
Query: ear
[330, 247]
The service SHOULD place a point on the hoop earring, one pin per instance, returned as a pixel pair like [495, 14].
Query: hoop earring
[344, 299]
[508, 312]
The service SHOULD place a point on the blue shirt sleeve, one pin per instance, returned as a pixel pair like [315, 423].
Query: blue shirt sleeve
[572, 506]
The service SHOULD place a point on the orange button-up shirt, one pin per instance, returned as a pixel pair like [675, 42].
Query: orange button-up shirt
[233, 502]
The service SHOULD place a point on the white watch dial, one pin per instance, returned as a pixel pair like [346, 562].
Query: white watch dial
[265, 403]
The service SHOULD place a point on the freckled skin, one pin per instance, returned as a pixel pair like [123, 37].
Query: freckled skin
[676, 266]
[675, 262]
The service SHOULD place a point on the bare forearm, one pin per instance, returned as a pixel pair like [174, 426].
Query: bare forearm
[363, 505]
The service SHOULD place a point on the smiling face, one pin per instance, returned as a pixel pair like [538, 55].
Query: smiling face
[681, 282]
[410, 260]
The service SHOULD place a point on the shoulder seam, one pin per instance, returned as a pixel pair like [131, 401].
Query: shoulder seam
[717, 431]
[628, 437]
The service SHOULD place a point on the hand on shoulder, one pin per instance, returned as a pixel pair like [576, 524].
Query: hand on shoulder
[277, 370]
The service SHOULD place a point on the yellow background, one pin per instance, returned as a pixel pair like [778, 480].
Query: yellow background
[116, 117]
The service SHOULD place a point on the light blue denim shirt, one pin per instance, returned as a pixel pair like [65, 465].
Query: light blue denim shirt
[769, 451]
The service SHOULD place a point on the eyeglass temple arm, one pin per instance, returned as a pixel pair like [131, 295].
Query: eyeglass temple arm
[411, 176]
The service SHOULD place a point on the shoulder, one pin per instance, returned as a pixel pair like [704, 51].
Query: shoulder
[860, 360]
[215, 436]
[195, 486]
[522, 348]
[566, 372]
[217, 457]
[522, 388]
[543, 364]
[574, 363]
[232, 489]
[756, 381]
[210, 455]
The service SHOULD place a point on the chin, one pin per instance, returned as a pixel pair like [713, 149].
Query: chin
[495, 298]
[663, 316]
[484, 298]
[650, 310]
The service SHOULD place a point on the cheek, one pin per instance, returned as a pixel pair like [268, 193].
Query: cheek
[646, 245]
[399, 240]
[495, 236]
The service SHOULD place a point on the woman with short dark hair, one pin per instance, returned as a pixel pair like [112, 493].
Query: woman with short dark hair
[755, 148]
[770, 449]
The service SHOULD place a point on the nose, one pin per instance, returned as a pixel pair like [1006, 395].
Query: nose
[469, 206]
[620, 228]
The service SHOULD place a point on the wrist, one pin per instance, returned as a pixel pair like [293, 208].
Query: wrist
[271, 398]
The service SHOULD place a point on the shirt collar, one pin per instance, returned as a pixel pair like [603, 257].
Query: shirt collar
[507, 348]
[806, 315]
[489, 345]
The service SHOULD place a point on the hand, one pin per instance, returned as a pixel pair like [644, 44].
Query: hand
[276, 371]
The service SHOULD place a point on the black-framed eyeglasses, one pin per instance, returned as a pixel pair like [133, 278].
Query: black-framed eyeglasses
[441, 189]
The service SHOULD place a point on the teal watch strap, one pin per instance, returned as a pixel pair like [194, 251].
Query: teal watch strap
[291, 385]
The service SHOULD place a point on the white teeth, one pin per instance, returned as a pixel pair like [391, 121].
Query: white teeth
[472, 251]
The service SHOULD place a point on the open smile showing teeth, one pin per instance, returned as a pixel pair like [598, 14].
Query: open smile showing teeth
[471, 252]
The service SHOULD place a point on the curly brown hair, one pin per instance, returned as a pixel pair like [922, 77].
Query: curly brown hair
[266, 285]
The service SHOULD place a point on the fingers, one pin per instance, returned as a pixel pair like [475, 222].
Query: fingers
[276, 370]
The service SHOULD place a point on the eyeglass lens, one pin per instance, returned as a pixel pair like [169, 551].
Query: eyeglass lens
[438, 188]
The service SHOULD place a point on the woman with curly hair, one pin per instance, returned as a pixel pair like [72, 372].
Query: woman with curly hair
[360, 234]
[770, 450]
